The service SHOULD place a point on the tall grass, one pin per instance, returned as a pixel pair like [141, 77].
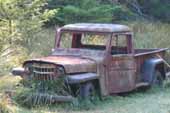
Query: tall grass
[44, 42]
[151, 35]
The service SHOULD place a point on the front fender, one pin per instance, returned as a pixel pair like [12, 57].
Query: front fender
[148, 69]
[80, 78]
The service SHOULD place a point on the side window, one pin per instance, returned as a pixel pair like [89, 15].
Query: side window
[121, 40]
[66, 39]
[119, 44]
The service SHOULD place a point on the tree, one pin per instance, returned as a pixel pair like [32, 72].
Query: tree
[72, 11]
[20, 19]
[159, 9]
[150, 9]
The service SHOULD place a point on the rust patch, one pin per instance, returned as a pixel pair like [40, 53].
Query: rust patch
[70, 63]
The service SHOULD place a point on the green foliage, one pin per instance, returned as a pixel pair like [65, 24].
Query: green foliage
[33, 93]
[159, 9]
[150, 9]
[73, 11]
[37, 93]
[20, 20]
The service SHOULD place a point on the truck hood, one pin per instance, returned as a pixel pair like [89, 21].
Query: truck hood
[71, 64]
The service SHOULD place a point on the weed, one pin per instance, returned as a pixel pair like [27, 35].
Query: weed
[4, 105]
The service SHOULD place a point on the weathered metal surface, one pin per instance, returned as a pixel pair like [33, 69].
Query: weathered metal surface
[71, 64]
[43, 71]
[144, 54]
[95, 55]
[92, 27]
[80, 78]
[53, 98]
[121, 74]
[148, 69]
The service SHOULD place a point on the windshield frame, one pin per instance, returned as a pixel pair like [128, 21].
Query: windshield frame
[60, 31]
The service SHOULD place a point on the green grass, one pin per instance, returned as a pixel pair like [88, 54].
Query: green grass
[154, 100]
[150, 34]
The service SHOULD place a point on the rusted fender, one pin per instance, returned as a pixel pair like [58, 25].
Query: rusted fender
[80, 78]
[148, 69]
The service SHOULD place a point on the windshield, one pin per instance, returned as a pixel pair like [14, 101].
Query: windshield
[83, 40]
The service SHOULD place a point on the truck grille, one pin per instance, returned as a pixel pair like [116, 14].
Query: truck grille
[42, 71]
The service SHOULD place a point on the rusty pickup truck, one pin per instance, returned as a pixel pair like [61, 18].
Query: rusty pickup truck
[97, 57]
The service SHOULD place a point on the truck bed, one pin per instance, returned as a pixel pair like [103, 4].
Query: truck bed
[141, 52]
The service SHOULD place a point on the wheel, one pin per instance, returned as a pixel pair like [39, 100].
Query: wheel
[157, 79]
[87, 91]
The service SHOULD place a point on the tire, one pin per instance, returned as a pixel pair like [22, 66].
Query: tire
[157, 79]
[87, 91]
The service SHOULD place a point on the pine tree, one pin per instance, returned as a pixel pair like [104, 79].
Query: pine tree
[20, 19]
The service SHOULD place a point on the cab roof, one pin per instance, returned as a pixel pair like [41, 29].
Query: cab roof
[96, 27]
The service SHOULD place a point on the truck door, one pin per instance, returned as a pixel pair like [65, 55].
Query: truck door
[121, 67]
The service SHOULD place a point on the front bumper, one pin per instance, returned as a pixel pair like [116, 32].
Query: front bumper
[49, 98]
[19, 71]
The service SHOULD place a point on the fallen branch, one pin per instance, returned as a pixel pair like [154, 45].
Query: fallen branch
[165, 62]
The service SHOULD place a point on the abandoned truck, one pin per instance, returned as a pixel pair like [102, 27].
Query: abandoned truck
[97, 57]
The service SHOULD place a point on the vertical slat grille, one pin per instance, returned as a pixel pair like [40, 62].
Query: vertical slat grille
[41, 71]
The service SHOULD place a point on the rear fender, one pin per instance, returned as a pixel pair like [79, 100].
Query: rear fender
[149, 67]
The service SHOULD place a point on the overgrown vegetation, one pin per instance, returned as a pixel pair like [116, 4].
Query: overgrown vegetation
[31, 93]
[71, 11]
[19, 21]
[154, 100]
